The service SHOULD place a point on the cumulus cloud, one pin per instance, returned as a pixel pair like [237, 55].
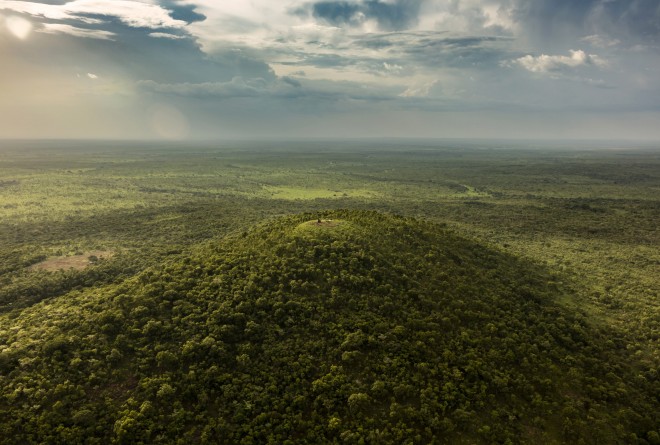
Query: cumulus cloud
[545, 63]
[61, 28]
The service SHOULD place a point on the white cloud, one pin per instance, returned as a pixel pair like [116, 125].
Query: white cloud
[419, 90]
[164, 35]
[314, 33]
[601, 41]
[392, 68]
[136, 14]
[92, 76]
[252, 24]
[468, 16]
[60, 28]
[545, 63]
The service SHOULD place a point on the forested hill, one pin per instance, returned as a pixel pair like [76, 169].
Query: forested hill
[346, 327]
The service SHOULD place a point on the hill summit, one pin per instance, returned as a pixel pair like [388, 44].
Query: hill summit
[346, 326]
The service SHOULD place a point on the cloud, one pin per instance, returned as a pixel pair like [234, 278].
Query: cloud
[422, 90]
[494, 17]
[237, 87]
[60, 28]
[291, 81]
[135, 14]
[92, 76]
[392, 68]
[280, 88]
[545, 63]
[164, 35]
[601, 41]
[389, 52]
[473, 52]
[262, 61]
[552, 22]
[388, 15]
[338, 13]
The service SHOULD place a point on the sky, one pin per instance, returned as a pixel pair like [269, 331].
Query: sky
[211, 69]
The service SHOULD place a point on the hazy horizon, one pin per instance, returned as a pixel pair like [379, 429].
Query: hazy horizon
[394, 140]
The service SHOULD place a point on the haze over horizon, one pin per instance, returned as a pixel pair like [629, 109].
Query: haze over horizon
[199, 69]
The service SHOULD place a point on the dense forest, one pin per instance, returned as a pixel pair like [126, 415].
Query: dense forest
[372, 295]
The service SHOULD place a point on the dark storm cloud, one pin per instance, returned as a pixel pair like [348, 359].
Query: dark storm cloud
[638, 18]
[338, 61]
[377, 42]
[291, 81]
[336, 13]
[544, 13]
[459, 52]
[397, 15]
[178, 60]
[632, 21]
[404, 55]
[223, 65]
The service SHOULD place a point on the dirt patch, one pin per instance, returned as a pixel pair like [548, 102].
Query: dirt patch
[324, 223]
[77, 262]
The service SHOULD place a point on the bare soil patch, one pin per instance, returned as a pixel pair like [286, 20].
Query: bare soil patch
[324, 223]
[77, 262]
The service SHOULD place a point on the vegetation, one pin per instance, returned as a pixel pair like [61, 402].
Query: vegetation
[515, 302]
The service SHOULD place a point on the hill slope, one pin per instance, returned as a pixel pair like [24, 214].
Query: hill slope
[361, 328]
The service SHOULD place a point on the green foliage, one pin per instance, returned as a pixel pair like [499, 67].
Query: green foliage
[537, 324]
[393, 331]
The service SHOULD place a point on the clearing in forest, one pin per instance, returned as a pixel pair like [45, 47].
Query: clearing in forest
[77, 262]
